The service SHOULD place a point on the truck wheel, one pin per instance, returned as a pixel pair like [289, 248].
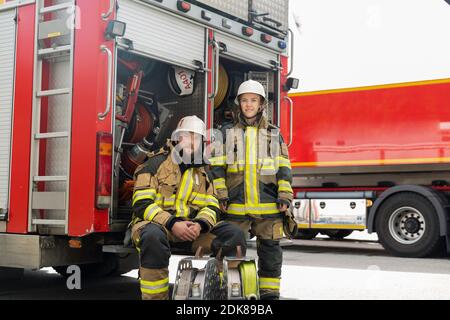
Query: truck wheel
[407, 226]
[305, 234]
[337, 234]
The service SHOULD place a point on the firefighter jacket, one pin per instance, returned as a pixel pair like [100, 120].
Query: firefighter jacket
[251, 170]
[166, 192]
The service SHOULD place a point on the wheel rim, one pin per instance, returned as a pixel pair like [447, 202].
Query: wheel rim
[407, 225]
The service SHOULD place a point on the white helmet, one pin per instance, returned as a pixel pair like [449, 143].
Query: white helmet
[191, 124]
[250, 86]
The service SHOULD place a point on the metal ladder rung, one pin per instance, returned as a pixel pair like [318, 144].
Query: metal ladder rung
[49, 178]
[56, 7]
[49, 222]
[51, 51]
[51, 135]
[54, 92]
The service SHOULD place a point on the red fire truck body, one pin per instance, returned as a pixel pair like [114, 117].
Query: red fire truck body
[71, 138]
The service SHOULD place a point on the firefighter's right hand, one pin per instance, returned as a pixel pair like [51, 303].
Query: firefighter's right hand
[182, 231]
[223, 204]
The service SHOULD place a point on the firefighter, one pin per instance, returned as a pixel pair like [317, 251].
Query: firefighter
[252, 175]
[174, 206]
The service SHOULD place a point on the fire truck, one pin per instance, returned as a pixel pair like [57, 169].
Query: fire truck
[89, 87]
[374, 158]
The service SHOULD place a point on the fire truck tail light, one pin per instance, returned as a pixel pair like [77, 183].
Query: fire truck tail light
[104, 170]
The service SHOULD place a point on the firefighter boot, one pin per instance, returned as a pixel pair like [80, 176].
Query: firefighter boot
[269, 265]
[154, 284]
[269, 288]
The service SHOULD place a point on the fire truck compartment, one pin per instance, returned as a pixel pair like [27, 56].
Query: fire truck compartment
[161, 103]
[159, 106]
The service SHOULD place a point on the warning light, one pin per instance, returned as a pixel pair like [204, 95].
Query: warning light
[247, 31]
[282, 45]
[266, 38]
[183, 6]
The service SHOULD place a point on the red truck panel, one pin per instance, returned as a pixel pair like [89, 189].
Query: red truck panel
[393, 124]
[89, 99]
[21, 135]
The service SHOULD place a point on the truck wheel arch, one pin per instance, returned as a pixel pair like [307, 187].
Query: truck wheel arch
[437, 199]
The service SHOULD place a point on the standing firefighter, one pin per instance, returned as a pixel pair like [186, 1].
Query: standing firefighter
[174, 206]
[252, 176]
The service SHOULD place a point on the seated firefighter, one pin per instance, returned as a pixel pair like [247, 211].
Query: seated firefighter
[174, 206]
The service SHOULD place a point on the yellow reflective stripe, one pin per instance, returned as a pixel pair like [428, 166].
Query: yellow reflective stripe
[283, 162]
[234, 169]
[208, 212]
[269, 283]
[212, 201]
[260, 209]
[169, 202]
[267, 166]
[159, 201]
[139, 195]
[154, 291]
[284, 185]
[153, 287]
[151, 211]
[277, 280]
[204, 200]
[218, 161]
[155, 283]
[219, 183]
[251, 160]
[184, 193]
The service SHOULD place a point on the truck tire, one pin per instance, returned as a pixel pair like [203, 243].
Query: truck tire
[408, 226]
[337, 234]
[305, 234]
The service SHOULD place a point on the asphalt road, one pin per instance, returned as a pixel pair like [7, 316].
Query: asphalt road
[358, 268]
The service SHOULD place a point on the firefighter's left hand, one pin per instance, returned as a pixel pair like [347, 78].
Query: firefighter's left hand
[197, 228]
[282, 207]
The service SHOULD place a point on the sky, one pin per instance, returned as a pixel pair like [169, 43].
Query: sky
[352, 43]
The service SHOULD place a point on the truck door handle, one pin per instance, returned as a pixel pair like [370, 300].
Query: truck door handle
[291, 119]
[216, 69]
[106, 15]
[102, 116]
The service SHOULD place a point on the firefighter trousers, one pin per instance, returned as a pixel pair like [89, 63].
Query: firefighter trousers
[154, 244]
[268, 233]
